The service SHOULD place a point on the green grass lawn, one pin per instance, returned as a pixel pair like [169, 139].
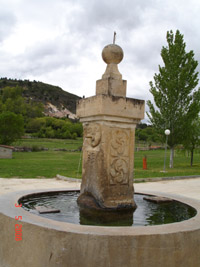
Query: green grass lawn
[50, 163]
[155, 164]
[40, 164]
[50, 143]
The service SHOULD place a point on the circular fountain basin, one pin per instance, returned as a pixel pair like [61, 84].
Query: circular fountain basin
[47, 242]
[62, 206]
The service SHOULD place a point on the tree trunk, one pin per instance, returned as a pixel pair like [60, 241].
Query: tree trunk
[192, 154]
[171, 163]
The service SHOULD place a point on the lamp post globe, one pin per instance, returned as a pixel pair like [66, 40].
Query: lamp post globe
[167, 132]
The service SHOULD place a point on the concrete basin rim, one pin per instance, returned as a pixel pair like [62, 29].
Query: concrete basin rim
[7, 208]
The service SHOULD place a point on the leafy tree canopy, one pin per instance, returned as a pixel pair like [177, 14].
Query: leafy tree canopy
[193, 138]
[11, 99]
[11, 127]
[177, 103]
[48, 127]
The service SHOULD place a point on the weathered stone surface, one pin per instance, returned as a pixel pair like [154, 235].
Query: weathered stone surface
[44, 209]
[108, 164]
[58, 244]
[112, 108]
[158, 199]
[112, 54]
[111, 86]
[6, 152]
[109, 120]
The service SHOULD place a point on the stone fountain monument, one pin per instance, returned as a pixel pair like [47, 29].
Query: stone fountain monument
[109, 119]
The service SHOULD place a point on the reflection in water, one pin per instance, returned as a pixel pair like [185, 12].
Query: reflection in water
[166, 213]
[147, 213]
[106, 218]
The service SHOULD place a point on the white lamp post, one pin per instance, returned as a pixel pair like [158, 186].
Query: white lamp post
[167, 132]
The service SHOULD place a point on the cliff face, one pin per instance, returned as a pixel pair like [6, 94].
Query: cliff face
[57, 102]
[54, 111]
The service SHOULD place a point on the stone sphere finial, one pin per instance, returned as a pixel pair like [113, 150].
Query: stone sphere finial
[112, 54]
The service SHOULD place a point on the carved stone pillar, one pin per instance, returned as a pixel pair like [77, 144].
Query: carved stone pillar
[109, 120]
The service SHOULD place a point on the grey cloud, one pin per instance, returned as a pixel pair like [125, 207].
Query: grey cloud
[98, 19]
[125, 15]
[144, 55]
[7, 24]
[46, 57]
[85, 26]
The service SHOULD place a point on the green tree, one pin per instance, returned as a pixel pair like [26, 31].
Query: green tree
[34, 110]
[11, 127]
[148, 134]
[17, 105]
[11, 99]
[193, 138]
[11, 92]
[177, 102]
[77, 128]
[49, 132]
[34, 125]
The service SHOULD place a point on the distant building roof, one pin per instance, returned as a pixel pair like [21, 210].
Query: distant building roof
[9, 147]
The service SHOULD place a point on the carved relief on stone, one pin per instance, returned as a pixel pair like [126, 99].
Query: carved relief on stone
[119, 156]
[92, 134]
[91, 151]
[119, 171]
[119, 143]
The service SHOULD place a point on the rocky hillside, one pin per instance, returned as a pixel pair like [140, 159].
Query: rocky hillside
[58, 103]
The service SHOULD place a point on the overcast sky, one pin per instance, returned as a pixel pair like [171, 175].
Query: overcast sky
[60, 41]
